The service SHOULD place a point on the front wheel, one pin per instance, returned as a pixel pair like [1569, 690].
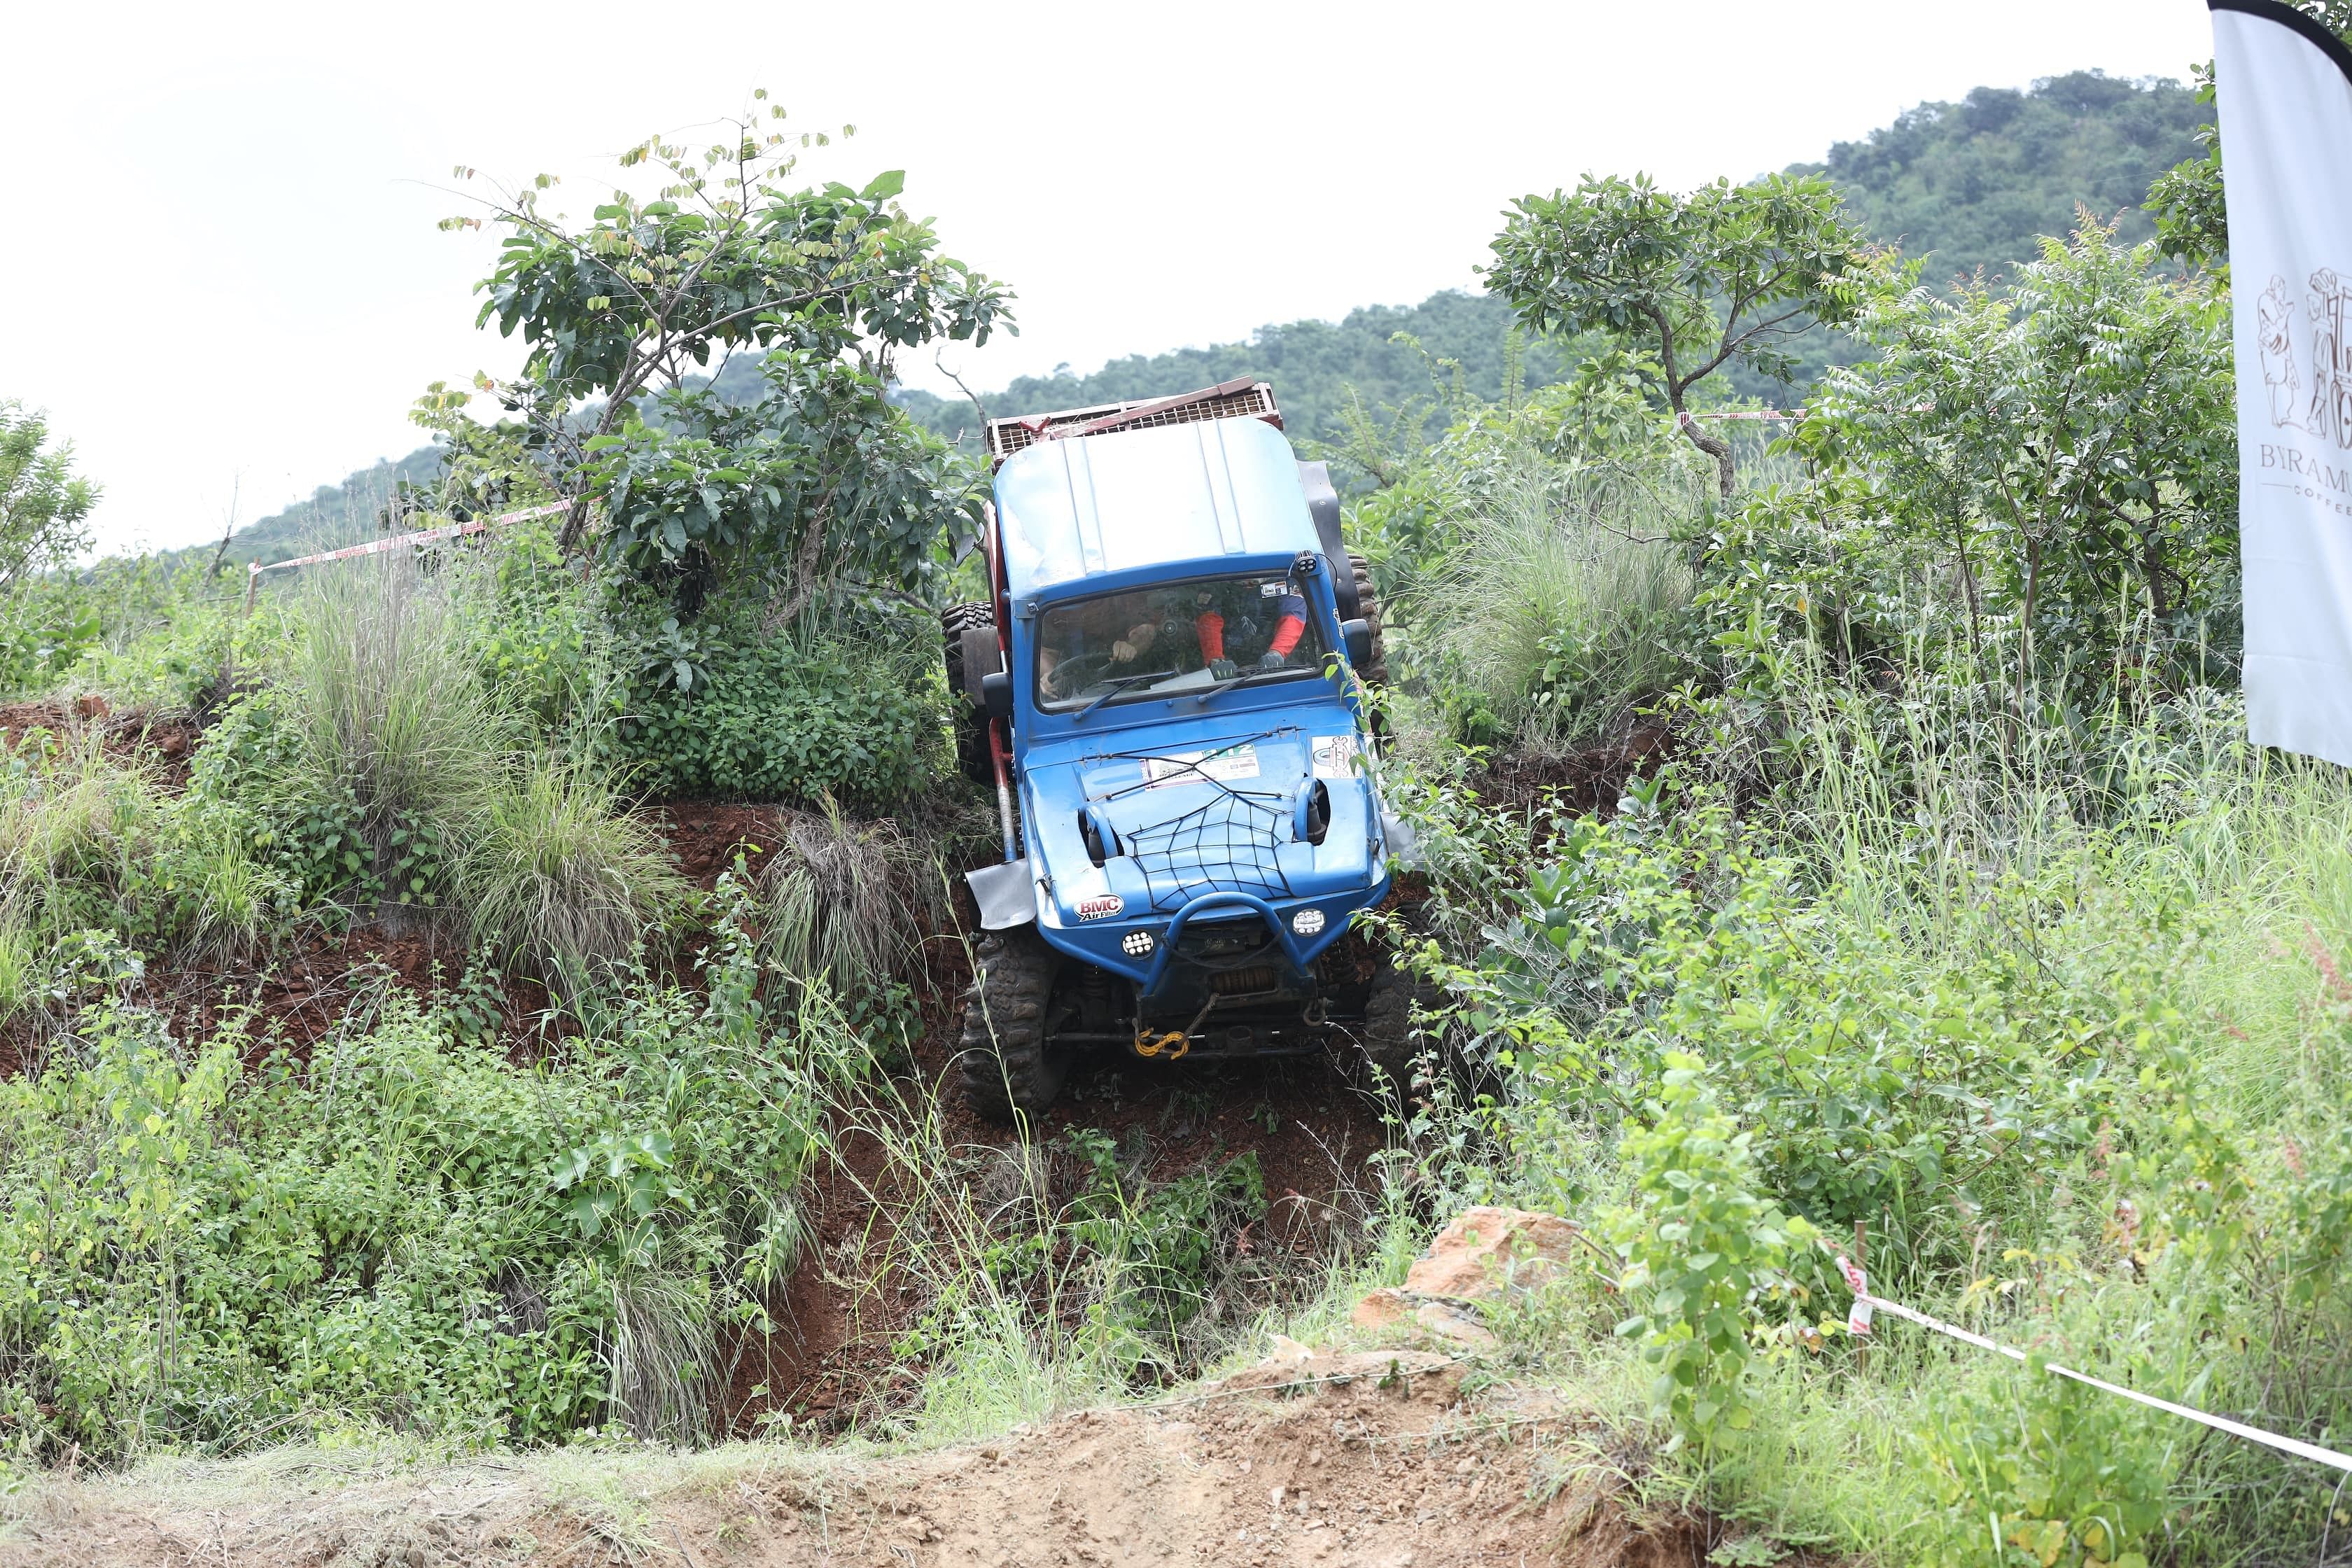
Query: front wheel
[1008, 1065]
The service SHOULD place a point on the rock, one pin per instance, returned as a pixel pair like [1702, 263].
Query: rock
[1484, 1253]
[1486, 1250]
[1286, 1349]
[1453, 1321]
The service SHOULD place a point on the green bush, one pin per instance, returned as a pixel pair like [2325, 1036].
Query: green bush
[1706, 1248]
[92, 848]
[793, 716]
[405, 1231]
[538, 633]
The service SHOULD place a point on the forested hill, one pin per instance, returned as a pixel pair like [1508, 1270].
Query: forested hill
[1971, 184]
[1311, 364]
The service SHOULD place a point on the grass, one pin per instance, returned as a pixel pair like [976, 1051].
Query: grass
[389, 705]
[558, 881]
[846, 901]
[1560, 606]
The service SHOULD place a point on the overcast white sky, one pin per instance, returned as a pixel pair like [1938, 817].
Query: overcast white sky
[221, 269]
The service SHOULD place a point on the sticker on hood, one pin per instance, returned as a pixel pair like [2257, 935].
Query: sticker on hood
[1224, 765]
[1334, 757]
[1100, 907]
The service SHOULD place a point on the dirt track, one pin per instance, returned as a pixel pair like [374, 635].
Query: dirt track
[1384, 1461]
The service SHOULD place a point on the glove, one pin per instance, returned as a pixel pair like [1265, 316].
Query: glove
[1221, 668]
[1123, 652]
[1269, 660]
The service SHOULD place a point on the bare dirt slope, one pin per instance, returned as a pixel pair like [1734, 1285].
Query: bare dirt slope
[1389, 1458]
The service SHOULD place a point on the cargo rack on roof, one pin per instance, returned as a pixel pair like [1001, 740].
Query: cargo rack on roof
[1244, 398]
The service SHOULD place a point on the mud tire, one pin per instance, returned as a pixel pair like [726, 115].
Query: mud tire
[1007, 1063]
[971, 724]
[1392, 1043]
[1375, 669]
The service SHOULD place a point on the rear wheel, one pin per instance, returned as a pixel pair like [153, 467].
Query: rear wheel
[1375, 669]
[1009, 1063]
[964, 695]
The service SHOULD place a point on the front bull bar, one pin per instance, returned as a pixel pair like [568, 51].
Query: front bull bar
[1158, 970]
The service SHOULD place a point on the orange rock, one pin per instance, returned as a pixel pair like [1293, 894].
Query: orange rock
[1486, 1250]
[1379, 1308]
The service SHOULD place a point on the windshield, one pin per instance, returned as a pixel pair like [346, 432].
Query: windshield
[1173, 638]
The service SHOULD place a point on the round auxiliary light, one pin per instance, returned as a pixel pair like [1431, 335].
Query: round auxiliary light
[1306, 922]
[1136, 944]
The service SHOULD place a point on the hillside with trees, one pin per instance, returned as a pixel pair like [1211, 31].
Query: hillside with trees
[1967, 184]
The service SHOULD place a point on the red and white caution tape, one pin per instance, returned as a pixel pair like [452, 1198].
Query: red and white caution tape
[1858, 1321]
[424, 536]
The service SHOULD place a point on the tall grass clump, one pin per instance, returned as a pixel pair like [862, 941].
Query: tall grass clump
[557, 881]
[101, 864]
[390, 779]
[1561, 608]
[391, 712]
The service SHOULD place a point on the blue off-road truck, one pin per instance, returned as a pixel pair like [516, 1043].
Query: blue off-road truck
[1166, 691]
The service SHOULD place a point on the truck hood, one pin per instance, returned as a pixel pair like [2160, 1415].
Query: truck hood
[1219, 806]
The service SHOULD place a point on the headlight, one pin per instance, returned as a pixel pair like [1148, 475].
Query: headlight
[1306, 922]
[1136, 944]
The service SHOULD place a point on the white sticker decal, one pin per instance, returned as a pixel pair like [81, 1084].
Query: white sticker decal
[1192, 767]
[1100, 907]
[1334, 757]
[1272, 590]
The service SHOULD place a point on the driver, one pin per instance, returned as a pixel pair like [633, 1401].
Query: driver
[1121, 621]
[1209, 625]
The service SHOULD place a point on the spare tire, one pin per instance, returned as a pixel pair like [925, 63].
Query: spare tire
[963, 693]
[1375, 669]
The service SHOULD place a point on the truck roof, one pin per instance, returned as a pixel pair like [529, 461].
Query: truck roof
[1242, 397]
[1080, 505]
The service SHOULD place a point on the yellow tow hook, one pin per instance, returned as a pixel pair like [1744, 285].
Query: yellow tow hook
[1175, 1042]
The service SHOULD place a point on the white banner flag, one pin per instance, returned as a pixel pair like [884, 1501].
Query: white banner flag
[2284, 85]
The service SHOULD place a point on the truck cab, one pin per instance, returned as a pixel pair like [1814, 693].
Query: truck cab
[1168, 694]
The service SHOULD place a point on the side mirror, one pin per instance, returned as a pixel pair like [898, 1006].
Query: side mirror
[996, 694]
[1358, 636]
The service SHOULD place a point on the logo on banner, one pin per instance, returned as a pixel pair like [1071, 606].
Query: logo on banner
[2324, 407]
[2325, 411]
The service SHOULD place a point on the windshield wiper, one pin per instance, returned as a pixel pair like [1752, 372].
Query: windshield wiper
[1118, 684]
[1254, 677]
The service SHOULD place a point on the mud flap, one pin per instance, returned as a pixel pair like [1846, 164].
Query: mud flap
[1006, 893]
[1402, 845]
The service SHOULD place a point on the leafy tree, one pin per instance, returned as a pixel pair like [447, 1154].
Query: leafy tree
[42, 505]
[831, 280]
[1727, 274]
[2067, 444]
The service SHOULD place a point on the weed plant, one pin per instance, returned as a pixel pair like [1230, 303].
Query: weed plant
[2054, 1010]
[214, 1243]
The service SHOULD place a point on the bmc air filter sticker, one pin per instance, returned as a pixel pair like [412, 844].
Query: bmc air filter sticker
[1334, 757]
[1192, 767]
[1101, 907]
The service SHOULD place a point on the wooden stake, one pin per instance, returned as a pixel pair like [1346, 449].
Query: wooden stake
[1860, 1261]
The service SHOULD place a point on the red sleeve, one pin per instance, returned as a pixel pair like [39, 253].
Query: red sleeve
[1285, 635]
[1210, 627]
